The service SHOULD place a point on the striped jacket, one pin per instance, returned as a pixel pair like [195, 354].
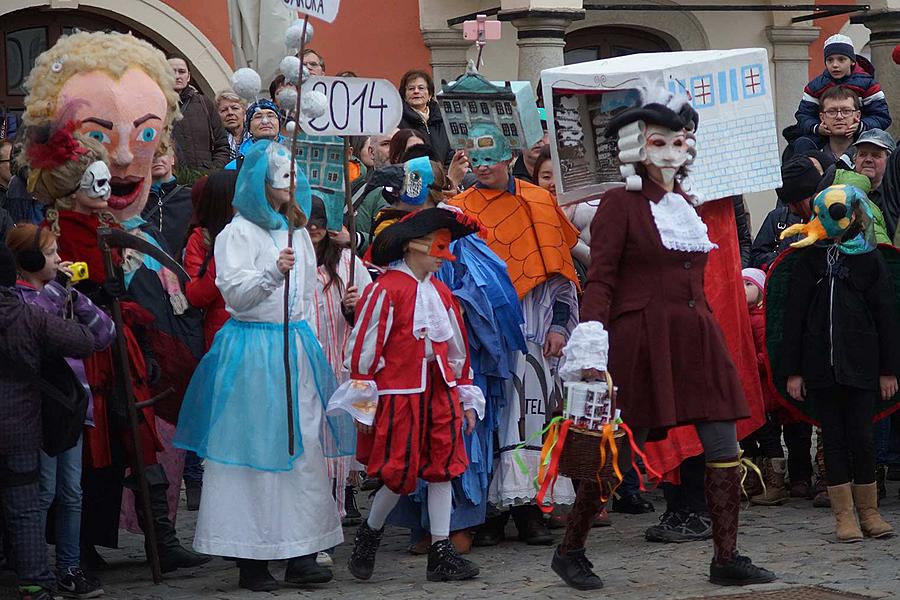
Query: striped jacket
[875, 113]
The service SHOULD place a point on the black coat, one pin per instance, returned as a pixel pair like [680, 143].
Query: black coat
[30, 334]
[767, 245]
[840, 326]
[742, 221]
[201, 142]
[433, 129]
[169, 212]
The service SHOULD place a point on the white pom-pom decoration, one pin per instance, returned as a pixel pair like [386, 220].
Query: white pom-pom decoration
[286, 98]
[313, 104]
[292, 37]
[289, 127]
[309, 28]
[290, 67]
[246, 83]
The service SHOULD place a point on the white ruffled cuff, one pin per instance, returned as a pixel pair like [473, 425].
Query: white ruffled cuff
[471, 397]
[357, 397]
[588, 348]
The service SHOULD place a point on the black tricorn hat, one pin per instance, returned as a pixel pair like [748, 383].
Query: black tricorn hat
[655, 114]
[389, 245]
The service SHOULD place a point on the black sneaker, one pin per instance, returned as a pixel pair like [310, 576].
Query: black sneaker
[739, 571]
[365, 545]
[75, 583]
[576, 570]
[445, 564]
[679, 527]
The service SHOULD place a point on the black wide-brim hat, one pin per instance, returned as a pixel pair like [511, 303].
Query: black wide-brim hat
[655, 114]
[389, 245]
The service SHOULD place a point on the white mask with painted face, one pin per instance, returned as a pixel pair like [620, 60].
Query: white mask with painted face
[666, 149]
[95, 181]
[278, 170]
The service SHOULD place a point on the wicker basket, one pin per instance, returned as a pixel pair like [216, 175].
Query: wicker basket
[580, 458]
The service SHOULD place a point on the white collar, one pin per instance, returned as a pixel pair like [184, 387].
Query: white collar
[679, 225]
[430, 318]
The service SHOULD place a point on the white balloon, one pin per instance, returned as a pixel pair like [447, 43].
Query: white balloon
[313, 104]
[246, 83]
[287, 98]
[290, 67]
[289, 127]
[309, 28]
[292, 37]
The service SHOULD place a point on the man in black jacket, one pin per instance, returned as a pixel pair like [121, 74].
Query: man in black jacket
[201, 142]
[29, 335]
[169, 206]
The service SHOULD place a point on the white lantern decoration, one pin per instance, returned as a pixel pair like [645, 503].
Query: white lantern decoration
[588, 404]
[286, 98]
[246, 83]
[313, 104]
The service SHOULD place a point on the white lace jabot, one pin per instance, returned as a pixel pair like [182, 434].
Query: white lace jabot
[679, 225]
[430, 318]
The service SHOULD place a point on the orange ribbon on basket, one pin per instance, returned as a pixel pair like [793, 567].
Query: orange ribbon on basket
[608, 439]
[547, 475]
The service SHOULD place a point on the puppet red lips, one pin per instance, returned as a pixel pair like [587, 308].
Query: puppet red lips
[125, 190]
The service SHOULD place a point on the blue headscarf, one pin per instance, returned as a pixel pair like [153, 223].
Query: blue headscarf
[258, 105]
[250, 191]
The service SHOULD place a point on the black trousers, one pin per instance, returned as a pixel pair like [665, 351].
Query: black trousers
[798, 439]
[689, 496]
[847, 433]
[765, 442]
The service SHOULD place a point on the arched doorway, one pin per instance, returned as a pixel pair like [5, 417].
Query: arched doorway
[595, 43]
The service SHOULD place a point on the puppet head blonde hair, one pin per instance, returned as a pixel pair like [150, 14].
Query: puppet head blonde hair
[83, 52]
[55, 185]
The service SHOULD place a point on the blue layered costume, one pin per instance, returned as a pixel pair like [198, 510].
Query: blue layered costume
[260, 501]
[493, 320]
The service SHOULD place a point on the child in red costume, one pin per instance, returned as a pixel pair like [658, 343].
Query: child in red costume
[411, 420]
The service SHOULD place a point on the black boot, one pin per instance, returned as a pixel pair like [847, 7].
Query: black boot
[740, 570]
[304, 570]
[445, 564]
[172, 555]
[365, 545]
[352, 515]
[530, 525]
[492, 531]
[255, 576]
[576, 570]
[192, 492]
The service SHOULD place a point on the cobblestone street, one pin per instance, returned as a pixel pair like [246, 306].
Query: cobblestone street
[794, 540]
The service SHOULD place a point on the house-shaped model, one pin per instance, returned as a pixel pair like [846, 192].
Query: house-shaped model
[322, 159]
[737, 140]
[510, 105]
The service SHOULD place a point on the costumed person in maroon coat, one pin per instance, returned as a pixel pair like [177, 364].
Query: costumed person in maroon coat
[645, 285]
[410, 388]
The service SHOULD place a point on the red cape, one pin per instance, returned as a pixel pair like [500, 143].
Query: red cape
[725, 292]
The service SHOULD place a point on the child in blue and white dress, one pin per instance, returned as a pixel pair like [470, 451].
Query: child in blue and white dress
[259, 501]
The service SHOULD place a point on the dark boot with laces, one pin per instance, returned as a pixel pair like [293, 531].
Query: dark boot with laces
[352, 516]
[740, 570]
[365, 545]
[445, 564]
[576, 570]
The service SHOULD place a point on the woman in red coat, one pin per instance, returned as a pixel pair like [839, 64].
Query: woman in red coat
[214, 212]
[649, 249]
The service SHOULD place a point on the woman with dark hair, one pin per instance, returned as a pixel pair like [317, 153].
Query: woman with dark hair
[213, 213]
[421, 112]
[404, 140]
[336, 296]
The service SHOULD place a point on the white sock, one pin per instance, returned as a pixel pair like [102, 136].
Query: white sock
[440, 503]
[382, 505]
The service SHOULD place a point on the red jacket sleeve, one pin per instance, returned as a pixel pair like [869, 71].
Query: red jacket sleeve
[201, 291]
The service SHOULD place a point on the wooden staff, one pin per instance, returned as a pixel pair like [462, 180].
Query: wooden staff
[287, 276]
[351, 214]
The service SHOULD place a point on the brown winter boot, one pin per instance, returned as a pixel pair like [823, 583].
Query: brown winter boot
[775, 493]
[871, 523]
[846, 529]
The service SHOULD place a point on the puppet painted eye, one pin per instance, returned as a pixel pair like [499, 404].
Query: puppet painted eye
[148, 134]
[99, 136]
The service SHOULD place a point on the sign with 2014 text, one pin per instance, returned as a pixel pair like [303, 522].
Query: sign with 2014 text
[326, 10]
[356, 106]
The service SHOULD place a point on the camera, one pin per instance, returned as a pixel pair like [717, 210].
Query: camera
[79, 272]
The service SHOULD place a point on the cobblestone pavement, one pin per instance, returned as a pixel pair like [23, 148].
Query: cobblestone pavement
[794, 540]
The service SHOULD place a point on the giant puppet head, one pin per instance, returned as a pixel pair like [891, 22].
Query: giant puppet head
[658, 135]
[121, 92]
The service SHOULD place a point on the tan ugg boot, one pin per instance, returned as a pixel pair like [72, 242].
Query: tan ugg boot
[847, 529]
[871, 523]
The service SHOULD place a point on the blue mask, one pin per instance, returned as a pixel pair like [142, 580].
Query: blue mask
[487, 145]
[418, 178]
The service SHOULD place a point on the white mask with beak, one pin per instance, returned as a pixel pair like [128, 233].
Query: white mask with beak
[278, 171]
